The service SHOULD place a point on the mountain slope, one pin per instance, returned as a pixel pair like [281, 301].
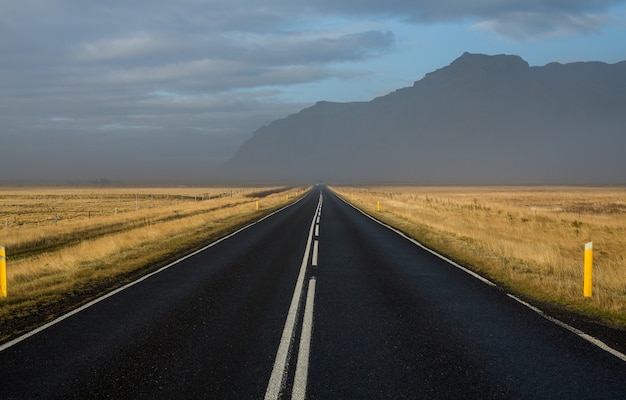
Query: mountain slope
[480, 120]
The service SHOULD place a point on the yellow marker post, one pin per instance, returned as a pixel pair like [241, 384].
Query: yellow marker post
[587, 286]
[378, 206]
[3, 273]
[257, 206]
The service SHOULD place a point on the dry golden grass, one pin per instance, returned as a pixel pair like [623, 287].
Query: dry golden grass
[38, 219]
[73, 243]
[528, 239]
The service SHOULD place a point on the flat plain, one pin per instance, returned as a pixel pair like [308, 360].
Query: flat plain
[65, 245]
[528, 239]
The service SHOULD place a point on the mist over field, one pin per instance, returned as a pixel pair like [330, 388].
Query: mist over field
[135, 157]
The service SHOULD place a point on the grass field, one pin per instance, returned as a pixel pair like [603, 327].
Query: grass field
[67, 245]
[529, 239]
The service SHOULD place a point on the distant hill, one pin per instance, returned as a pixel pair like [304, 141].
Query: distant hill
[480, 120]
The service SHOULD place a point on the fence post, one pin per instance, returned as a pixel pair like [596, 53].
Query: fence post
[587, 286]
[3, 273]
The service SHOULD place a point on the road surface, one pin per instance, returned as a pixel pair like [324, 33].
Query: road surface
[316, 301]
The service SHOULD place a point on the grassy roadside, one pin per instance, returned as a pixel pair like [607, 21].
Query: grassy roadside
[61, 266]
[529, 240]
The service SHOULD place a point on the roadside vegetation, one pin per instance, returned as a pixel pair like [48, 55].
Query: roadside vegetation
[528, 239]
[66, 246]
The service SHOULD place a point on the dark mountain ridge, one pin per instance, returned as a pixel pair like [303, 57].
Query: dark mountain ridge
[480, 120]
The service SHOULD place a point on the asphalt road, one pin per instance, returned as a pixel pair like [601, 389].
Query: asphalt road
[316, 301]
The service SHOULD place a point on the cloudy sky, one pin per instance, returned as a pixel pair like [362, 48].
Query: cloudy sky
[162, 90]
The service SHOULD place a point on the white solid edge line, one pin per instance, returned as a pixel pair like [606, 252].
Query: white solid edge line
[275, 383]
[593, 340]
[302, 365]
[446, 259]
[133, 283]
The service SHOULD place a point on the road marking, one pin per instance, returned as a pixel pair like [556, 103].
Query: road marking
[279, 371]
[314, 259]
[585, 336]
[133, 283]
[317, 230]
[415, 242]
[302, 365]
[597, 342]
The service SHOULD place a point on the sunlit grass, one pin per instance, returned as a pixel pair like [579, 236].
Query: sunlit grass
[76, 256]
[528, 239]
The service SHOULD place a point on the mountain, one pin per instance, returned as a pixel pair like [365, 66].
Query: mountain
[480, 120]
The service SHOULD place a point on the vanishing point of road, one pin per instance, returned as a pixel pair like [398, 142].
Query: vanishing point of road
[315, 301]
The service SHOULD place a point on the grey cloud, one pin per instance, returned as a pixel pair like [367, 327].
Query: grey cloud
[424, 10]
[211, 76]
[314, 47]
[113, 17]
[534, 26]
[517, 19]
[133, 46]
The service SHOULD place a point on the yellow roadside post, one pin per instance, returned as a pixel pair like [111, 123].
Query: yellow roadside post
[257, 206]
[588, 269]
[378, 206]
[3, 272]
